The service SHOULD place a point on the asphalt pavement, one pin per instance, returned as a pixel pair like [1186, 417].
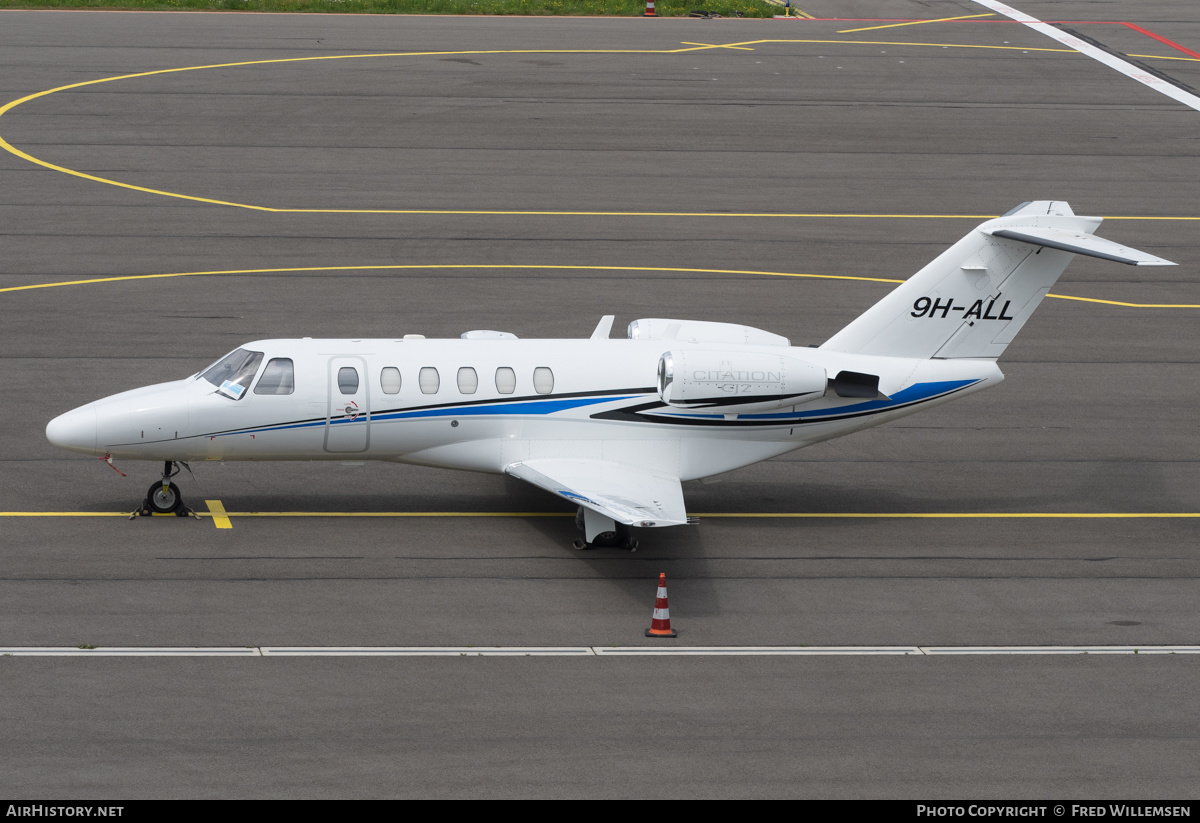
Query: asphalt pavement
[368, 176]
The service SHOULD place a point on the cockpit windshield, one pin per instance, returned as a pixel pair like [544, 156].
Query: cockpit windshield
[234, 372]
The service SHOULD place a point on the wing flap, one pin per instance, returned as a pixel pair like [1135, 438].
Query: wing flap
[629, 495]
[1080, 243]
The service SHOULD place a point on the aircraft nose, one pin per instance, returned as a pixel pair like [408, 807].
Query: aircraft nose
[74, 431]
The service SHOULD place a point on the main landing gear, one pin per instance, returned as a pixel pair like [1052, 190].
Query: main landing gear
[163, 497]
[601, 532]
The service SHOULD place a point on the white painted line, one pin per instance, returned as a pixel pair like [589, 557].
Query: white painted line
[1061, 649]
[732, 651]
[1128, 69]
[576, 651]
[426, 651]
[129, 651]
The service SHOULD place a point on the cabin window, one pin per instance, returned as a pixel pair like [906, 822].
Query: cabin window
[429, 380]
[233, 372]
[277, 378]
[389, 380]
[506, 380]
[348, 380]
[468, 380]
[543, 380]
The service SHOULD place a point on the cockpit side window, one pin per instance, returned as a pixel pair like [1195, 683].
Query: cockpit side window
[233, 373]
[279, 377]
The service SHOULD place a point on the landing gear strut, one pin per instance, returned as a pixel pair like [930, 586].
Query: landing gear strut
[163, 497]
[601, 532]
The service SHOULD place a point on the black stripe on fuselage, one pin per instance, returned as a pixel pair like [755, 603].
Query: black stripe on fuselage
[634, 414]
[713, 402]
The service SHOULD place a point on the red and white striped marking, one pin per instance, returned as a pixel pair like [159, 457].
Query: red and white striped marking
[660, 623]
[1099, 55]
[650, 9]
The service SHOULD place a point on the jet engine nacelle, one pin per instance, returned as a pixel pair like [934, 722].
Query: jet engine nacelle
[733, 383]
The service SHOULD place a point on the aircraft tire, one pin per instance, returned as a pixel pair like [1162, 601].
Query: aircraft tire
[161, 503]
[607, 540]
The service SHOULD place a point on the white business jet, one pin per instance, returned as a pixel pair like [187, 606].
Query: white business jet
[613, 426]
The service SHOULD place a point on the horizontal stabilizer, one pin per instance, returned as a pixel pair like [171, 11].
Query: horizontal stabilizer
[1079, 243]
[629, 495]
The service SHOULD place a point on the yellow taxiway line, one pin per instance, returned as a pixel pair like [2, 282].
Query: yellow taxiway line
[702, 46]
[1162, 57]
[221, 518]
[505, 266]
[688, 47]
[918, 22]
[222, 514]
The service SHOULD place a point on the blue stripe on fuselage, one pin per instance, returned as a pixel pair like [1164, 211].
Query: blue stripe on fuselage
[913, 394]
[513, 407]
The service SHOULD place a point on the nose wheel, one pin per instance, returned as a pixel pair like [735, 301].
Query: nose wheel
[164, 497]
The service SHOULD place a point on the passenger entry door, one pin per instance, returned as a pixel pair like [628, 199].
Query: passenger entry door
[348, 422]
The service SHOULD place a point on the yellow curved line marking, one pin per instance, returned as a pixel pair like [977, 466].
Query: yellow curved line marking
[917, 23]
[435, 266]
[1129, 305]
[498, 266]
[4, 144]
[745, 515]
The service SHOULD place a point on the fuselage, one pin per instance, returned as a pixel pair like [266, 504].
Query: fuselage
[484, 404]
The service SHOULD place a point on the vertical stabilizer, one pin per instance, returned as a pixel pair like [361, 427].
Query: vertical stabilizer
[974, 298]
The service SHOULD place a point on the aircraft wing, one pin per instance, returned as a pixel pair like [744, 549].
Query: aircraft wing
[629, 495]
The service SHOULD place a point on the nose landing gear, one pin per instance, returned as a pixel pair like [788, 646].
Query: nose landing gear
[163, 497]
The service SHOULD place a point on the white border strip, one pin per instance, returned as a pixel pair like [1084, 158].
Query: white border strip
[131, 651]
[576, 651]
[735, 651]
[1128, 69]
[1061, 650]
[427, 651]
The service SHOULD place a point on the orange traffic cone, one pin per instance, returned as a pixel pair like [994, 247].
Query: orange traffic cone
[660, 625]
[649, 9]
